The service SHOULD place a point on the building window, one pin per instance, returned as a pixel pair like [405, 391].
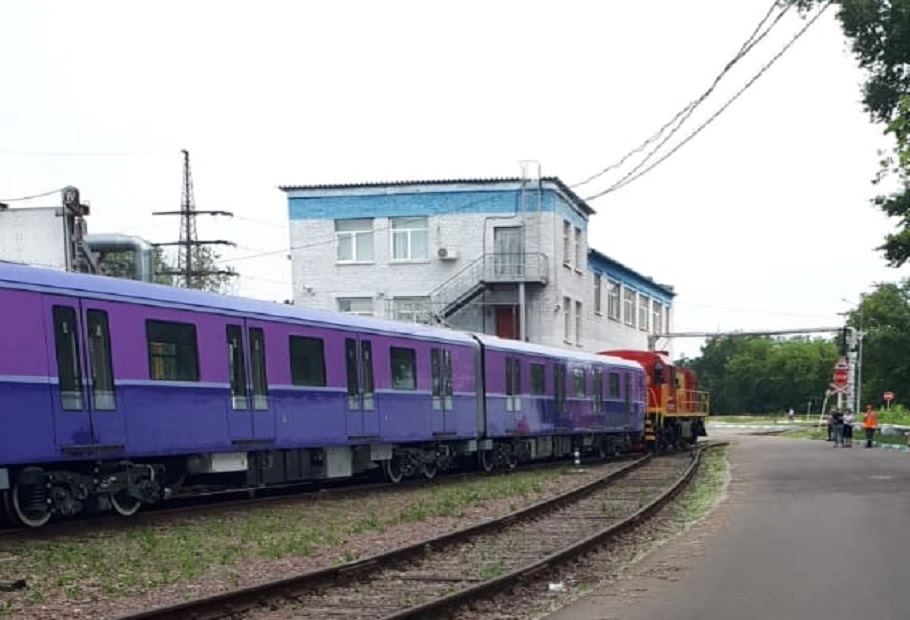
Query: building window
[354, 241]
[578, 320]
[578, 248]
[628, 306]
[538, 379]
[410, 239]
[597, 308]
[643, 308]
[404, 368]
[411, 309]
[307, 361]
[172, 351]
[613, 300]
[667, 320]
[567, 319]
[657, 316]
[566, 244]
[361, 306]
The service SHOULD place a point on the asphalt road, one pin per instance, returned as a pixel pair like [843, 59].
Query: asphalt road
[807, 531]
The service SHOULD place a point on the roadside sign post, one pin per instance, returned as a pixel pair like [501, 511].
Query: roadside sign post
[888, 396]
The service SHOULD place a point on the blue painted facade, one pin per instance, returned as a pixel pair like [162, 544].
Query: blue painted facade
[606, 267]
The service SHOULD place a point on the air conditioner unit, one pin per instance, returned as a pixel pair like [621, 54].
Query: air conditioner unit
[446, 254]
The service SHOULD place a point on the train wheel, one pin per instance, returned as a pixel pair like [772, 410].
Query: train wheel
[125, 505]
[392, 471]
[429, 469]
[485, 460]
[28, 503]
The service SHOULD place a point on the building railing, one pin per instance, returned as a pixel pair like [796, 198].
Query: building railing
[490, 268]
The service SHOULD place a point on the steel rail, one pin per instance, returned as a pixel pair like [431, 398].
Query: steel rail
[433, 609]
[234, 602]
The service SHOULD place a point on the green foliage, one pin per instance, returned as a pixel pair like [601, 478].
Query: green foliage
[884, 317]
[896, 414]
[879, 31]
[120, 265]
[761, 374]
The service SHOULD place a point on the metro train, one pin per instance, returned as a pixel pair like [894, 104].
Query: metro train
[115, 394]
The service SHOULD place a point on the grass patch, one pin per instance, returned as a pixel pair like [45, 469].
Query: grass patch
[121, 563]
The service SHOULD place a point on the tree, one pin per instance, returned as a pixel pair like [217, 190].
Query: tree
[120, 265]
[884, 316]
[879, 31]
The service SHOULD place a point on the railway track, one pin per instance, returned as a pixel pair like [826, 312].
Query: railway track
[219, 502]
[437, 576]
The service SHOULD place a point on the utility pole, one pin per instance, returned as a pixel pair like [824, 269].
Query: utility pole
[188, 242]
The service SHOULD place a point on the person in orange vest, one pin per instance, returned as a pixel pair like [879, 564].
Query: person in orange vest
[870, 422]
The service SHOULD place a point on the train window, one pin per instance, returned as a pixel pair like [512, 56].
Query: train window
[69, 371]
[598, 390]
[237, 368]
[403, 363]
[257, 366]
[579, 380]
[99, 343]
[538, 379]
[307, 361]
[659, 378]
[172, 351]
[613, 385]
[628, 393]
[559, 386]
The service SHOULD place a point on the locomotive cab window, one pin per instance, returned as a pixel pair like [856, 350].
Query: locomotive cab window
[403, 364]
[307, 361]
[173, 355]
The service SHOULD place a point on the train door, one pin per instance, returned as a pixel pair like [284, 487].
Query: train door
[87, 415]
[362, 418]
[513, 394]
[443, 402]
[250, 417]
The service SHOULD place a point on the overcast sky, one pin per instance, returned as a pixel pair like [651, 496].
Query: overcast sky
[762, 221]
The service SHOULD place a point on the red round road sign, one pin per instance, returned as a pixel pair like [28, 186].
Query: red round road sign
[840, 376]
[889, 396]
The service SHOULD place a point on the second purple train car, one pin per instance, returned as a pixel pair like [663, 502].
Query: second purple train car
[116, 393]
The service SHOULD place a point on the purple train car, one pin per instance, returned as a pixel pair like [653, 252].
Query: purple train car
[116, 393]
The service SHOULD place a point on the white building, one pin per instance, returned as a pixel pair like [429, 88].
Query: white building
[500, 256]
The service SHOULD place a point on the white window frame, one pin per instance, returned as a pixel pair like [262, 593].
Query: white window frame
[579, 319]
[356, 237]
[644, 311]
[361, 312]
[409, 232]
[567, 243]
[598, 285]
[628, 306]
[578, 249]
[418, 311]
[567, 319]
[657, 316]
[614, 302]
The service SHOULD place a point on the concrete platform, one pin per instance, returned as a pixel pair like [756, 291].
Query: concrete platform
[807, 531]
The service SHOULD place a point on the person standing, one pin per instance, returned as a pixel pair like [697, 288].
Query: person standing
[870, 423]
[837, 427]
[848, 428]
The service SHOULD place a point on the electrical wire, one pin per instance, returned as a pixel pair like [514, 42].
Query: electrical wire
[680, 117]
[41, 195]
[629, 179]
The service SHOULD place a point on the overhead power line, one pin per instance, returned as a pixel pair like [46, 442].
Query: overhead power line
[41, 195]
[680, 117]
[629, 179]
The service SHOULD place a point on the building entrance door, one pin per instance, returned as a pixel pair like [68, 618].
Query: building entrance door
[508, 322]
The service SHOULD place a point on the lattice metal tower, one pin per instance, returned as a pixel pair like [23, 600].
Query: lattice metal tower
[188, 266]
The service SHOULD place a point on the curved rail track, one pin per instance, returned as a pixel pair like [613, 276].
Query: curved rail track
[437, 576]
